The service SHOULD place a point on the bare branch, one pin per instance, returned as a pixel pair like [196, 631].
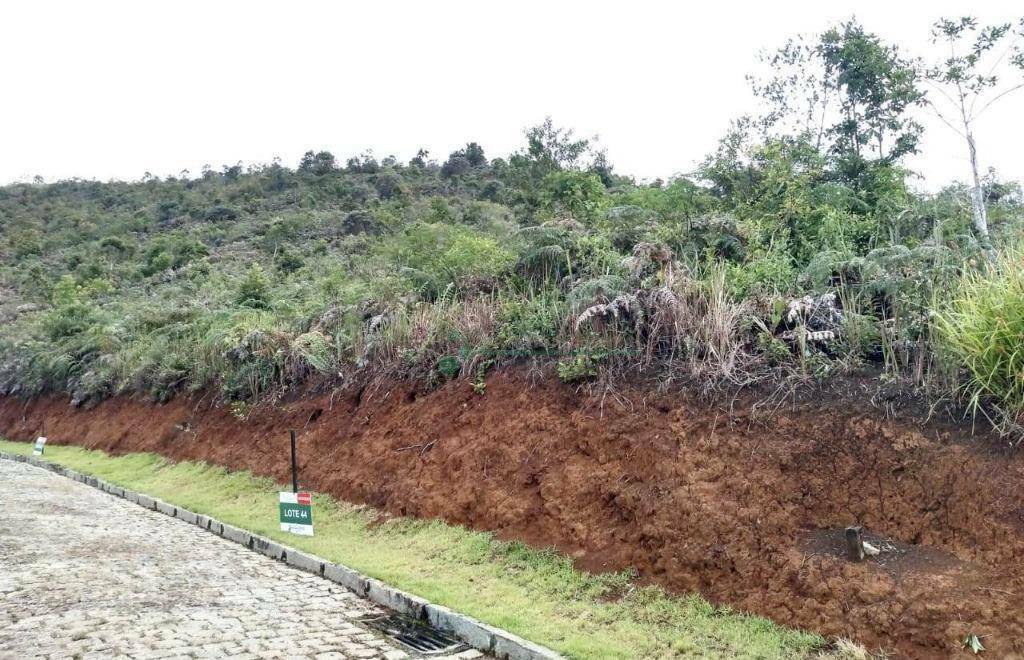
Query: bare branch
[939, 89]
[939, 114]
[1009, 49]
[999, 96]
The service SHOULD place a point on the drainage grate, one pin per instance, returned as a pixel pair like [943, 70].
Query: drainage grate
[415, 635]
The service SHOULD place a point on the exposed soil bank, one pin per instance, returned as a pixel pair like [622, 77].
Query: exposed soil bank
[741, 504]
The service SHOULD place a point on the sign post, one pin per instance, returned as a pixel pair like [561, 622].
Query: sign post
[37, 449]
[295, 466]
[295, 509]
[296, 513]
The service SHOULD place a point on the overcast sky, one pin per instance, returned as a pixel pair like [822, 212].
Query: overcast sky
[115, 89]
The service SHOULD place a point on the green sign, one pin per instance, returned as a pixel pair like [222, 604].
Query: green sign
[296, 513]
[37, 450]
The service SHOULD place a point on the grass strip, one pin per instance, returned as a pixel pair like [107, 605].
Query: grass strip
[536, 594]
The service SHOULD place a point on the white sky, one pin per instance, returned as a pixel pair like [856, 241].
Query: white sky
[114, 89]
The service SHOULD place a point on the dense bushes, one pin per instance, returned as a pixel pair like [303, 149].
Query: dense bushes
[435, 256]
[251, 281]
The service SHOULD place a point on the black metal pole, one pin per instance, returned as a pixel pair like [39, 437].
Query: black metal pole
[295, 465]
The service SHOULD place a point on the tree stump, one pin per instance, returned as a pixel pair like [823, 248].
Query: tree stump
[855, 543]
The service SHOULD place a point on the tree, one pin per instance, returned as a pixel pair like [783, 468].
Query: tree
[845, 92]
[875, 88]
[603, 168]
[318, 163]
[461, 161]
[456, 165]
[475, 155]
[420, 159]
[364, 163]
[388, 184]
[968, 81]
[548, 149]
[794, 91]
[232, 172]
[553, 148]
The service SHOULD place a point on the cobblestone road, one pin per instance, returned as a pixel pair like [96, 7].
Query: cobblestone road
[87, 575]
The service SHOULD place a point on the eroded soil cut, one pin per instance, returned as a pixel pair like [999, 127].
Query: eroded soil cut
[745, 503]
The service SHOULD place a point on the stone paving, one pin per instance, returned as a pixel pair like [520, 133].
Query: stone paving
[87, 575]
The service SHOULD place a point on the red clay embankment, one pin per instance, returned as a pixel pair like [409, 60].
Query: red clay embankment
[740, 503]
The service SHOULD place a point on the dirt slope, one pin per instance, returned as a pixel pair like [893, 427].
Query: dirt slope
[742, 503]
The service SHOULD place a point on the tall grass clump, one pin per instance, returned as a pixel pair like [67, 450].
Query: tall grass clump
[982, 327]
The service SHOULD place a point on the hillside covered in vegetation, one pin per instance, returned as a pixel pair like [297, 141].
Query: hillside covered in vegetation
[798, 249]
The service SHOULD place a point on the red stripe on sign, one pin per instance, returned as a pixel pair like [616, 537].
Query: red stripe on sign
[305, 498]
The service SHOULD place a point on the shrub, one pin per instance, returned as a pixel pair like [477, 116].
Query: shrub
[25, 243]
[360, 222]
[449, 366]
[157, 261]
[115, 246]
[388, 184]
[471, 258]
[774, 350]
[533, 323]
[72, 314]
[627, 226]
[440, 211]
[578, 368]
[172, 251]
[254, 291]
[488, 217]
[491, 191]
[287, 261]
[280, 232]
[220, 213]
[435, 256]
[581, 194]
[248, 353]
[167, 210]
[766, 272]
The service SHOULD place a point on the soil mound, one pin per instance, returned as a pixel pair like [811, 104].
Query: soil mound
[739, 502]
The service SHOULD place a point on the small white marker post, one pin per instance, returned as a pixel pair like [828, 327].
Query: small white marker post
[37, 449]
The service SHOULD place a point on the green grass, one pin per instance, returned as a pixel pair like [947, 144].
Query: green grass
[533, 593]
[982, 326]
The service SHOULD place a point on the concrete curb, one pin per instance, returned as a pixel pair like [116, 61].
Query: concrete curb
[476, 634]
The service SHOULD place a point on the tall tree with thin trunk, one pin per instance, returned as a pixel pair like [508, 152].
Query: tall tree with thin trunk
[980, 65]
